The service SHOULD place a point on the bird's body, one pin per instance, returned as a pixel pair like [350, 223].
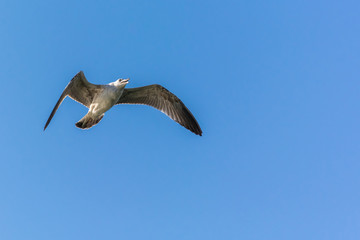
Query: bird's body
[100, 98]
[106, 98]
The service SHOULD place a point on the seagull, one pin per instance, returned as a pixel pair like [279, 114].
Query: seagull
[100, 98]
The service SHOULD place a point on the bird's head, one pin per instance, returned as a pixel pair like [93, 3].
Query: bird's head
[121, 82]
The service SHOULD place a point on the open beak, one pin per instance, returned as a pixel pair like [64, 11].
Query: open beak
[125, 80]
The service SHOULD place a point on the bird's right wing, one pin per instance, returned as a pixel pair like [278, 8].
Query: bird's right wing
[80, 90]
[160, 98]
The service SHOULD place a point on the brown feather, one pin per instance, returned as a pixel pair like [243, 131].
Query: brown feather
[160, 98]
[80, 90]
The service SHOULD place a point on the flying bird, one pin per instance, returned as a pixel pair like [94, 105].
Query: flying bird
[100, 98]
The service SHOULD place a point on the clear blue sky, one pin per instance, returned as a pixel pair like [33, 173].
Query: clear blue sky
[274, 86]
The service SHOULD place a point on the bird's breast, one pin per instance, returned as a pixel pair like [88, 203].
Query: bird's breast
[104, 101]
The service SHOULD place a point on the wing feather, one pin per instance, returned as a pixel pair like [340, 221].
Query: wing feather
[78, 89]
[160, 98]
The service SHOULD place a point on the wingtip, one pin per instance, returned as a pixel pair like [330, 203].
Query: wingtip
[196, 131]
[46, 125]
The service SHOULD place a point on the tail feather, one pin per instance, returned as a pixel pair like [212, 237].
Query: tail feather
[87, 122]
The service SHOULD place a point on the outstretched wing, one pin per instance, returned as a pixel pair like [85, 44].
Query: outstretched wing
[160, 98]
[80, 90]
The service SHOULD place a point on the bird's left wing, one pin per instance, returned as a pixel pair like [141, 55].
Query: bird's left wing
[160, 98]
[80, 90]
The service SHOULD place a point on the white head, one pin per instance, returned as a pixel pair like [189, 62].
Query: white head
[120, 82]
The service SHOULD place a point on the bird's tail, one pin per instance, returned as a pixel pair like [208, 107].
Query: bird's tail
[88, 121]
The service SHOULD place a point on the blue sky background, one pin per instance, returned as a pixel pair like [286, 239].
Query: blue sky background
[274, 86]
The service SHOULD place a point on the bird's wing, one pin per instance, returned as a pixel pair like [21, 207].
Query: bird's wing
[80, 90]
[160, 98]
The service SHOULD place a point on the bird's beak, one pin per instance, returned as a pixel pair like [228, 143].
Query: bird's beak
[125, 80]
